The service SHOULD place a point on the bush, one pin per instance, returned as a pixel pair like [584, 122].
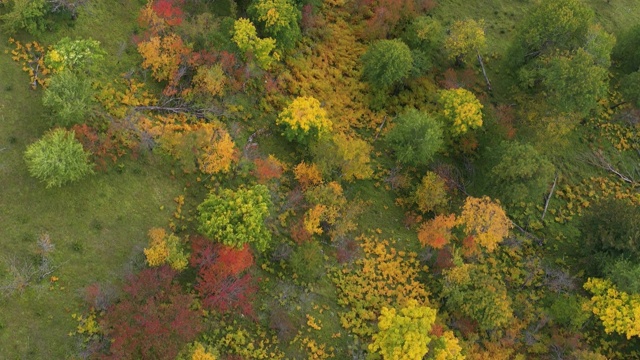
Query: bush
[57, 158]
[307, 262]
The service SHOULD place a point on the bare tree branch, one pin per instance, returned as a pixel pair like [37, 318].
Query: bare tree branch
[546, 204]
[598, 159]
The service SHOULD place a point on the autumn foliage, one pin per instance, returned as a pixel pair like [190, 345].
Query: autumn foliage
[154, 318]
[223, 281]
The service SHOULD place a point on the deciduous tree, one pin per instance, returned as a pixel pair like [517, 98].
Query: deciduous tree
[386, 63]
[57, 158]
[466, 38]
[70, 96]
[346, 153]
[279, 19]
[486, 221]
[154, 318]
[461, 109]
[245, 36]
[431, 193]
[404, 334]
[304, 119]
[521, 173]
[416, 137]
[236, 218]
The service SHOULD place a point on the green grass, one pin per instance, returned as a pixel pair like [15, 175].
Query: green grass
[98, 225]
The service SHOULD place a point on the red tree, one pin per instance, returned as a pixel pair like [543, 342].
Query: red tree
[153, 320]
[223, 281]
[170, 11]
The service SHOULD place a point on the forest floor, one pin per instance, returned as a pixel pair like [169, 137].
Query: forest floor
[98, 226]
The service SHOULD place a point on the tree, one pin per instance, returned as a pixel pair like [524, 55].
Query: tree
[437, 232]
[236, 218]
[425, 33]
[165, 249]
[630, 88]
[618, 311]
[416, 137]
[404, 334]
[70, 96]
[224, 282]
[474, 292]
[611, 226]
[462, 109]
[346, 153]
[76, 55]
[465, 39]
[573, 83]
[24, 15]
[246, 38]
[386, 63]
[552, 25]
[521, 173]
[280, 20]
[164, 55]
[304, 119]
[627, 50]
[57, 158]
[431, 193]
[154, 318]
[485, 220]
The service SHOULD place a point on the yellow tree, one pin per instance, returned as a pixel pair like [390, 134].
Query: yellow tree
[431, 193]
[465, 39]
[304, 119]
[163, 55]
[462, 109]
[165, 249]
[404, 334]
[486, 221]
[246, 38]
[618, 311]
[347, 153]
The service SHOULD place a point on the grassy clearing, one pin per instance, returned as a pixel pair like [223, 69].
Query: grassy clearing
[98, 225]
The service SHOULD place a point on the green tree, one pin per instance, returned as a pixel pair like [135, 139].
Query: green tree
[70, 96]
[474, 292]
[552, 25]
[279, 19]
[611, 226]
[465, 39]
[77, 55]
[630, 88]
[573, 83]
[346, 154]
[627, 50]
[386, 63]
[425, 36]
[521, 173]
[25, 15]
[245, 36]
[625, 275]
[416, 137]
[57, 158]
[235, 218]
[462, 109]
[404, 334]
